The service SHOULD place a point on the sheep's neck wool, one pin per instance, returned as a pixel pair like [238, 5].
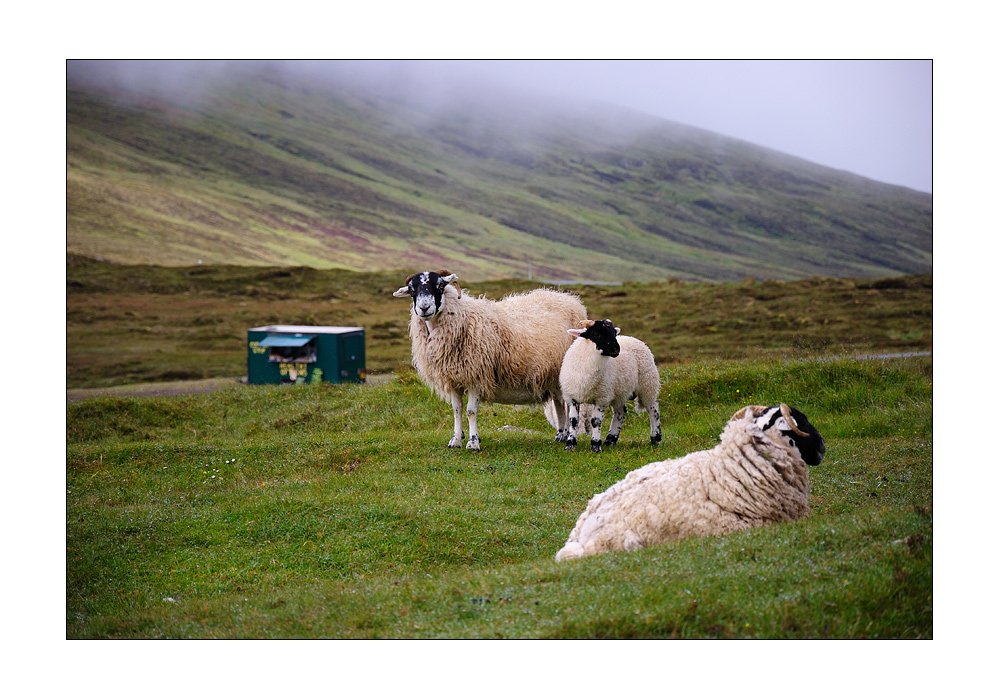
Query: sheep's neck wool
[588, 369]
[763, 478]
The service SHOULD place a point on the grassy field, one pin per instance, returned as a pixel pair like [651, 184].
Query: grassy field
[336, 511]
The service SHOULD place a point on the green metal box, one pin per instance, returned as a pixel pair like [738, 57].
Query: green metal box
[296, 354]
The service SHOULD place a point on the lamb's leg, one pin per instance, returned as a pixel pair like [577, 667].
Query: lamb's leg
[595, 423]
[456, 408]
[617, 421]
[473, 443]
[574, 423]
[654, 424]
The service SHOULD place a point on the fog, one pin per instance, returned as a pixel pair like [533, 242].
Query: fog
[871, 118]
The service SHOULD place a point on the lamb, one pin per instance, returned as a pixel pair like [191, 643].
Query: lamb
[756, 475]
[606, 369]
[508, 351]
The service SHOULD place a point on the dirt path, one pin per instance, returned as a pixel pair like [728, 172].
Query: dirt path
[198, 386]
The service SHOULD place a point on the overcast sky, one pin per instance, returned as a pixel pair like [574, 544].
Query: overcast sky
[872, 118]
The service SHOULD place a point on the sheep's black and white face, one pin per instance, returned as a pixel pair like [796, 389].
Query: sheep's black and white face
[810, 446]
[426, 289]
[602, 334]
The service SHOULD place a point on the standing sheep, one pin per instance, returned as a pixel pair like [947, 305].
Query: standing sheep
[507, 351]
[756, 475]
[606, 369]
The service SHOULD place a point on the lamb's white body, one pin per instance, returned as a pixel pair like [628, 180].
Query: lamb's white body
[752, 477]
[588, 377]
[507, 351]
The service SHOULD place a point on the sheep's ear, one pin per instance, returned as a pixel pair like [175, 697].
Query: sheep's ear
[618, 330]
[447, 277]
[405, 289]
[576, 332]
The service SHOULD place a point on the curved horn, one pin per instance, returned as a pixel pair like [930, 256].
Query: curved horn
[751, 411]
[787, 413]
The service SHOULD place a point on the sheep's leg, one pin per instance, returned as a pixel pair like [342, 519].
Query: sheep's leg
[617, 421]
[654, 424]
[456, 408]
[562, 411]
[473, 443]
[595, 424]
[574, 423]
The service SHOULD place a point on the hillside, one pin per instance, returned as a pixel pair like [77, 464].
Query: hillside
[262, 167]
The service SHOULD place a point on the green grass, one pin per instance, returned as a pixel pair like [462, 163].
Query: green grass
[336, 511]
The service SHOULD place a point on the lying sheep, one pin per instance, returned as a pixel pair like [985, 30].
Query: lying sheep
[756, 475]
[606, 369]
[507, 351]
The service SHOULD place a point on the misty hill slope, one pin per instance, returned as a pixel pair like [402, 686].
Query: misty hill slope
[264, 167]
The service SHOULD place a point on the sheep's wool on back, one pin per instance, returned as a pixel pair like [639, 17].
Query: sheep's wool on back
[749, 479]
[509, 351]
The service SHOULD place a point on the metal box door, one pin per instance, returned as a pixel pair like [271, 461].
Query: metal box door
[351, 357]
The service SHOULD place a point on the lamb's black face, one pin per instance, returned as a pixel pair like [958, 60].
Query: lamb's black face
[811, 447]
[426, 290]
[605, 336]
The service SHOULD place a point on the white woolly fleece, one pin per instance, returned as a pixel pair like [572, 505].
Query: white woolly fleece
[587, 376]
[750, 478]
[509, 351]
